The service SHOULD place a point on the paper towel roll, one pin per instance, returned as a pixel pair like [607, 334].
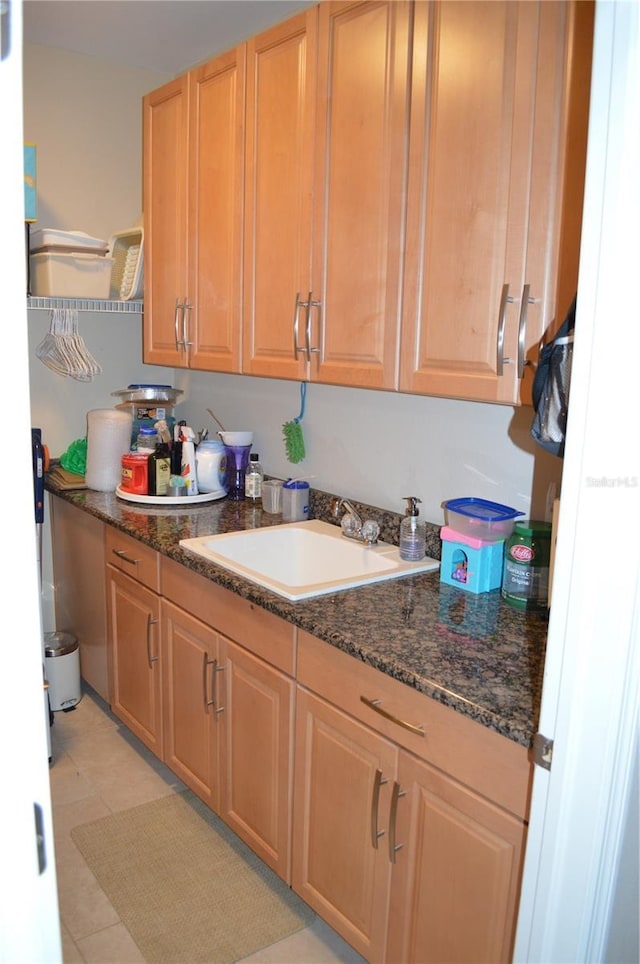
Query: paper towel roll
[108, 438]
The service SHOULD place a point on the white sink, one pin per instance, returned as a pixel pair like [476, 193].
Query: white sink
[303, 559]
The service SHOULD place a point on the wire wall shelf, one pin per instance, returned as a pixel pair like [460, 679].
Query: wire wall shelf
[85, 304]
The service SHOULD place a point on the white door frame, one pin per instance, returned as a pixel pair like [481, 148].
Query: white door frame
[29, 923]
[592, 671]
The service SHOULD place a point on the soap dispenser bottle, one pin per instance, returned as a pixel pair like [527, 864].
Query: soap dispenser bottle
[413, 532]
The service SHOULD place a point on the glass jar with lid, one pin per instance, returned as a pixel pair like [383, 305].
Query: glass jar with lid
[147, 439]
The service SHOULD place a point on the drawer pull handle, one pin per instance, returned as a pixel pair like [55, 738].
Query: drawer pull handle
[375, 801]
[375, 705]
[207, 662]
[150, 659]
[393, 814]
[121, 554]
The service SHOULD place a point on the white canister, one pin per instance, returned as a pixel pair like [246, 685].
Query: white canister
[211, 466]
[108, 439]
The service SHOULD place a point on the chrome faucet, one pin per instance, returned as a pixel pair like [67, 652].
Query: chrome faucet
[352, 525]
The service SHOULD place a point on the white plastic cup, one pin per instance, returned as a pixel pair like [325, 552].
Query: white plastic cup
[272, 496]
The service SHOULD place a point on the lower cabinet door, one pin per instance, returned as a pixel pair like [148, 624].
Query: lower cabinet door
[133, 615]
[256, 754]
[341, 868]
[191, 704]
[456, 872]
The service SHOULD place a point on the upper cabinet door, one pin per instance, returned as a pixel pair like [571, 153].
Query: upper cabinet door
[488, 167]
[361, 144]
[165, 124]
[281, 71]
[216, 178]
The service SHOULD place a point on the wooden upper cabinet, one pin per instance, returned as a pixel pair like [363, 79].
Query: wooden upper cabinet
[165, 128]
[494, 99]
[216, 178]
[374, 193]
[281, 70]
[361, 145]
[326, 163]
[194, 174]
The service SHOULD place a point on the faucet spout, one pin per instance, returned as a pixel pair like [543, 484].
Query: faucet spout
[351, 509]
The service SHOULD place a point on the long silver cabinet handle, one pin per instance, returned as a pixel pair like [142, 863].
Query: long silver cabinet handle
[307, 328]
[501, 361]
[125, 558]
[522, 328]
[216, 669]
[205, 663]
[176, 323]
[376, 706]
[375, 804]
[150, 622]
[296, 318]
[185, 340]
[394, 847]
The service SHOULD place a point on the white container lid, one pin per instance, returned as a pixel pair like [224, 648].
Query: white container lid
[54, 238]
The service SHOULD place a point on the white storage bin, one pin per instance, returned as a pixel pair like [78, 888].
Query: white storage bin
[71, 275]
[127, 250]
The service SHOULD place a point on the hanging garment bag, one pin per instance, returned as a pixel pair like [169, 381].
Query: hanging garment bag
[551, 388]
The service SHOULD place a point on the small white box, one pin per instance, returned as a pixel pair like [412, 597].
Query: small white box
[71, 275]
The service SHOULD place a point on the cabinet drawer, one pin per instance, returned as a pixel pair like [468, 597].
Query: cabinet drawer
[261, 632]
[494, 766]
[133, 557]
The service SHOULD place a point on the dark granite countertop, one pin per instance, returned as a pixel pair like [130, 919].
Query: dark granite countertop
[473, 653]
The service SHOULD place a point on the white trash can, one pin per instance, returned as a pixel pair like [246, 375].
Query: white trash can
[62, 669]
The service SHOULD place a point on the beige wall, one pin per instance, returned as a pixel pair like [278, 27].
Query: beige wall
[85, 117]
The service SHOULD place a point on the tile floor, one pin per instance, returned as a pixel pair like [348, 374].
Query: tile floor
[98, 767]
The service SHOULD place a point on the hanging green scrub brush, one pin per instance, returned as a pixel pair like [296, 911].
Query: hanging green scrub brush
[292, 431]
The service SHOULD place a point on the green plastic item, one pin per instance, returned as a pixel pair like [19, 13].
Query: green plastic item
[292, 432]
[75, 458]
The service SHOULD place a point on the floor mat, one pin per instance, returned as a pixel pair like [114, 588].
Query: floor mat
[186, 887]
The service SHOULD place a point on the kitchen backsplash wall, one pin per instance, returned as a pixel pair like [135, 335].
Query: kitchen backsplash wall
[378, 447]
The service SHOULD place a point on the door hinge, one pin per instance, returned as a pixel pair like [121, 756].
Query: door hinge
[542, 751]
